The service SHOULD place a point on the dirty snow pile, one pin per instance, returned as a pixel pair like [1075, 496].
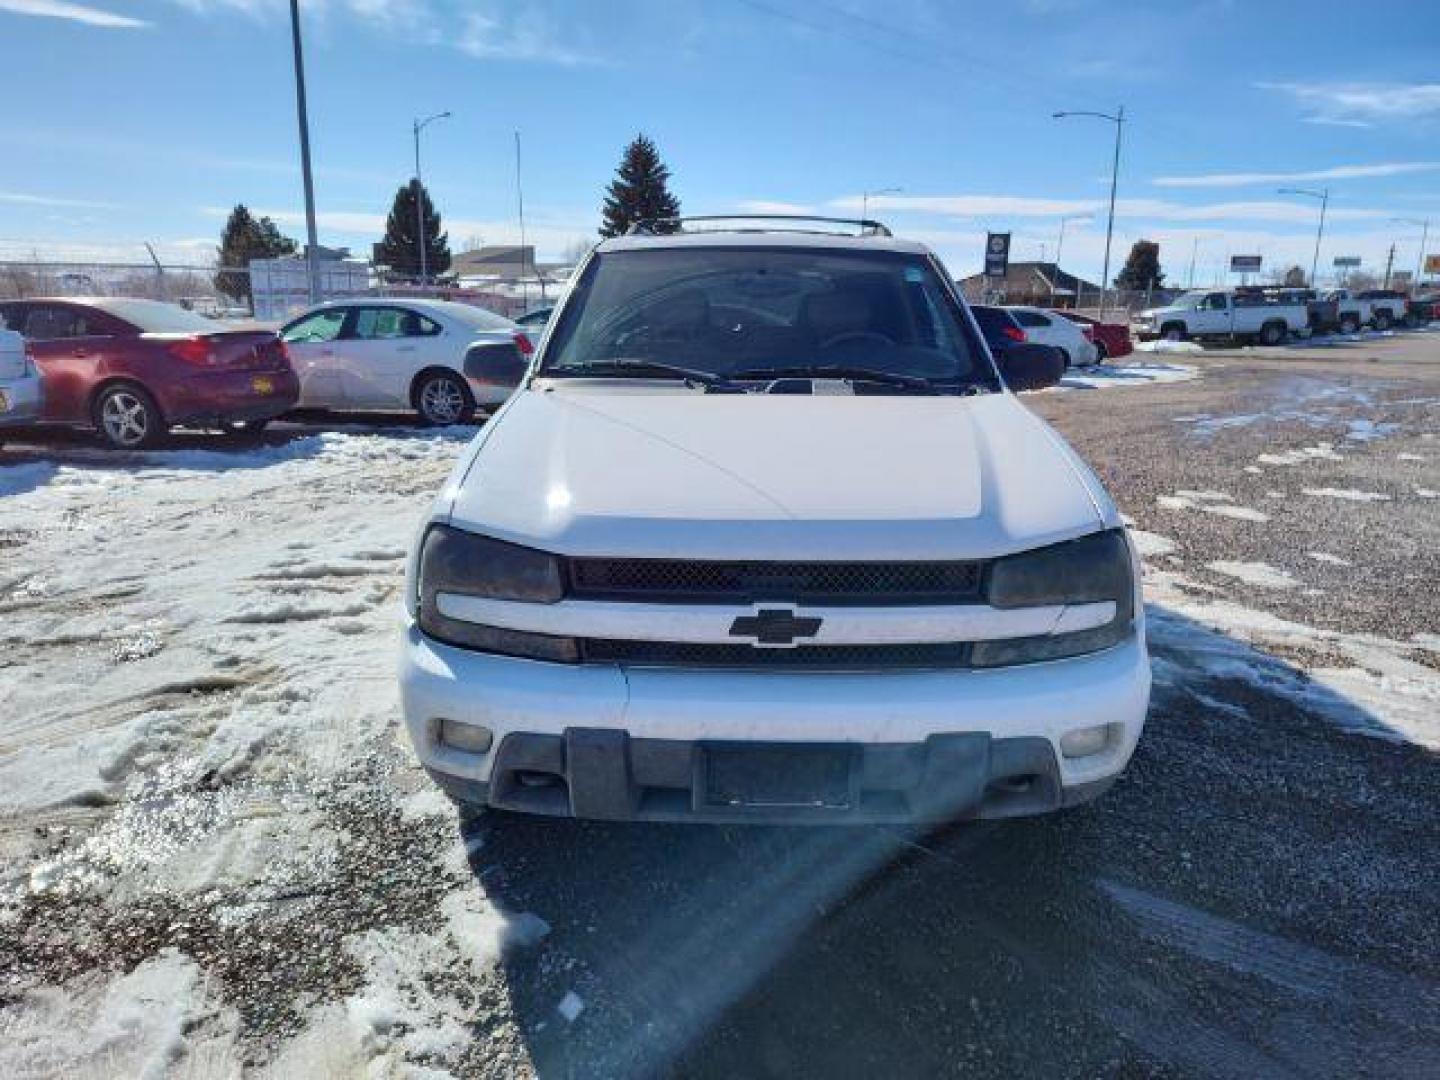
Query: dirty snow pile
[216, 848]
[1115, 375]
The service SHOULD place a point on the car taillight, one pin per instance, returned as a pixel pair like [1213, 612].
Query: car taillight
[1014, 333]
[1089, 332]
[195, 350]
[523, 344]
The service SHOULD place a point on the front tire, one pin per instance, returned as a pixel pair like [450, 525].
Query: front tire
[128, 418]
[1382, 320]
[1272, 334]
[442, 398]
[1172, 332]
[1349, 324]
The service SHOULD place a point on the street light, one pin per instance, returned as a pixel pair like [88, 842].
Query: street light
[1324, 197]
[1424, 238]
[421, 125]
[1059, 249]
[865, 198]
[1119, 121]
[312, 253]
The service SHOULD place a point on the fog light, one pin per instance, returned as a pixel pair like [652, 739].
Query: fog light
[472, 738]
[1083, 742]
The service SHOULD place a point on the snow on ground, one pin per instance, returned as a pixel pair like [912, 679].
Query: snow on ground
[202, 776]
[1110, 376]
[1162, 346]
[1347, 494]
[1210, 502]
[1260, 574]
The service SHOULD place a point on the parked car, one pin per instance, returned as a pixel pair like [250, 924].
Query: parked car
[535, 319]
[133, 369]
[764, 536]
[1424, 308]
[1002, 332]
[1048, 328]
[20, 396]
[1223, 316]
[441, 359]
[1111, 340]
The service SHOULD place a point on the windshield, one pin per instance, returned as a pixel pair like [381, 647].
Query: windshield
[477, 318]
[153, 317]
[748, 312]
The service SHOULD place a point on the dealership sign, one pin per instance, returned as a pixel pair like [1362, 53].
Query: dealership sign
[997, 254]
[1246, 264]
[1347, 262]
[1432, 264]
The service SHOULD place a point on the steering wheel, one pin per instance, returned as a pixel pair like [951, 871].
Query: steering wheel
[857, 335]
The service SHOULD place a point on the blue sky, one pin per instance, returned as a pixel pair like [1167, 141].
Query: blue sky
[125, 121]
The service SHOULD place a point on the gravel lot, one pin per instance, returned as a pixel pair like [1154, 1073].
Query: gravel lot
[219, 857]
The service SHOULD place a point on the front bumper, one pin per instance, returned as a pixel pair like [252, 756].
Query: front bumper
[230, 395]
[628, 743]
[21, 400]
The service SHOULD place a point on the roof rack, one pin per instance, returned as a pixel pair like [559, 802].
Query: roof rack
[653, 226]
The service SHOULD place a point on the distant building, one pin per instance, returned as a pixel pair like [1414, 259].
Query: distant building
[1039, 283]
[494, 261]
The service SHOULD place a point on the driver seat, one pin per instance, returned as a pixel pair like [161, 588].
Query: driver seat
[827, 315]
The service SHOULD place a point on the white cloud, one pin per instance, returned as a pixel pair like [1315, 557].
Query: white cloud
[529, 34]
[81, 13]
[772, 206]
[1354, 104]
[1338, 172]
[21, 199]
[1001, 207]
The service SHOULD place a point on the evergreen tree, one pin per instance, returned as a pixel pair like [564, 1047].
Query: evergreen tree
[400, 250]
[1295, 277]
[1142, 268]
[244, 238]
[639, 192]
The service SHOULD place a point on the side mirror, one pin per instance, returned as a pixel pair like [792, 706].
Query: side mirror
[1031, 367]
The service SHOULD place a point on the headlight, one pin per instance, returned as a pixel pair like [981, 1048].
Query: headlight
[1095, 568]
[461, 563]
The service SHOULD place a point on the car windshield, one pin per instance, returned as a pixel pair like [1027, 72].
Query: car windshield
[754, 312]
[477, 318]
[154, 317]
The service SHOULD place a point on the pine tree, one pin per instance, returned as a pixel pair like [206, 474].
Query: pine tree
[1142, 268]
[640, 191]
[399, 250]
[245, 238]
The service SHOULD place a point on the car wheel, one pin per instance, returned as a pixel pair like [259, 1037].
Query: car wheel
[1272, 334]
[442, 398]
[128, 418]
[1349, 324]
[1173, 332]
[1382, 320]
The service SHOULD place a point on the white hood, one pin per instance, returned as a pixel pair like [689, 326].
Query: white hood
[608, 470]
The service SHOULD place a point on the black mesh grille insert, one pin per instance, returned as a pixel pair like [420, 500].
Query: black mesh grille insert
[662, 580]
[681, 654]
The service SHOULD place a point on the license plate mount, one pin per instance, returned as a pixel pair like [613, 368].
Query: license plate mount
[776, 776]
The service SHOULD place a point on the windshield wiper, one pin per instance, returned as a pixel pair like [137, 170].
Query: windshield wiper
[839, 371]
[633, 367]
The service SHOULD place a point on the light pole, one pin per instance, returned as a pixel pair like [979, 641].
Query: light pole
[865, 198]
[1324, 197]
[312, 244]
[1059, 249]
[421, 125]
[1119, 121]
[1424, 239]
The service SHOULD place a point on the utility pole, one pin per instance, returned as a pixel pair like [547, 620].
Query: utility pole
[420, 126]
[1324, 197]
[159, 271]
[520, 200]
[1389, 265]
[1194, 251]
[312, 244]
[1424, 239]
[1119, 121]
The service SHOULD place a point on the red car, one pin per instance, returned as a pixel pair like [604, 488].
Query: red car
[1112, 340]
[132, 369]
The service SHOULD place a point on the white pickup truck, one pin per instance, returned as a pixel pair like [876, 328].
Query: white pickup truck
[1374, 308]
[1222, 316]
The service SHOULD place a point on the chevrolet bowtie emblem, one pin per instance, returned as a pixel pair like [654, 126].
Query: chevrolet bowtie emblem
[775, 627]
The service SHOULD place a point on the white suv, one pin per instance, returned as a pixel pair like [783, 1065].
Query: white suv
[763, 536]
